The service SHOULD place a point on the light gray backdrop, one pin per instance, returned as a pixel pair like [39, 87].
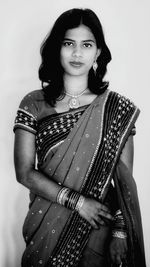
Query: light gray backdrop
[23, 25]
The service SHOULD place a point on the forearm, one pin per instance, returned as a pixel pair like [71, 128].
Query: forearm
[127, 158]
[43, 186]
[39, 184]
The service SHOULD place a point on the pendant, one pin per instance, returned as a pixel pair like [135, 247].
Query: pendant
[73, 103]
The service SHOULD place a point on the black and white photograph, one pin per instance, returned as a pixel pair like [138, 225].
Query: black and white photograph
[74, 139]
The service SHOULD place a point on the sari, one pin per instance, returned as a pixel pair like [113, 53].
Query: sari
[86, 160]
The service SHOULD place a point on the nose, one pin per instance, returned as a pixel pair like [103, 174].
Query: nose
[77, 51]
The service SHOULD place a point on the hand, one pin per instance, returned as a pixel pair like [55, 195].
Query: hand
[94, 212]
[118, 250]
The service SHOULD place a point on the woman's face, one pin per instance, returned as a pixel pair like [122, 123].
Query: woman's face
[78, 51]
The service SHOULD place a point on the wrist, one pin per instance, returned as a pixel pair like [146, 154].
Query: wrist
[80, 203]
[119, 222]
[70, 199]
[119, 234]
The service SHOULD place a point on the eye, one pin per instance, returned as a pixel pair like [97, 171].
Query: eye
[87, 45]
[67, 43]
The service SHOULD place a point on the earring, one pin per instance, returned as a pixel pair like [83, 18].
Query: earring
[95, 66]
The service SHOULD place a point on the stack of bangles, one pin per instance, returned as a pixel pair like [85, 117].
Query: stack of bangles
[70, 199]
[120, 227]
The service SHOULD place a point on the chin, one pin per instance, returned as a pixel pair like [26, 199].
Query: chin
[77, 72]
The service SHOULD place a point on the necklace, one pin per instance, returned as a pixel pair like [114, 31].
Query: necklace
[74, 102]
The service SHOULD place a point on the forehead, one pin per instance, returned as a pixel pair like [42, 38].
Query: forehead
[80, 33]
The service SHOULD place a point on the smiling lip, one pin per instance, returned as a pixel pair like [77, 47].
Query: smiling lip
[76, 64]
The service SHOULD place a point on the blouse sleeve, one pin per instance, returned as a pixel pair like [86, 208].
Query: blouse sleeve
[133, 131]
[26, 117]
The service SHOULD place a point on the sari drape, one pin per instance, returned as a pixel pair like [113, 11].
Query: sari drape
[129, 203]
[86, 162]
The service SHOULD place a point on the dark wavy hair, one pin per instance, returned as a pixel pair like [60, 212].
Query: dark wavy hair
[51, 71]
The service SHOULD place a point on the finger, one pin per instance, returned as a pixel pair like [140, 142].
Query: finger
[105, 208]
[106, 215]
[123, 255]
[94, 224]
[99, 220]
[112, 257]
[123, 251]
[118, 259]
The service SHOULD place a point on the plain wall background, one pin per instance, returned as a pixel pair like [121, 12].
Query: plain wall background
[23, 25]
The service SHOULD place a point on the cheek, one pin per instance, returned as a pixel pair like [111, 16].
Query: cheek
[91, 59]
[64, 54]
[61, 55]
[91, 55]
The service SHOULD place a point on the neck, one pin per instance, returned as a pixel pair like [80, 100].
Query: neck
[75, 85]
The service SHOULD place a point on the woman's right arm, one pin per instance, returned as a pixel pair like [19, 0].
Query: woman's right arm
[26, 174]
[40, 184]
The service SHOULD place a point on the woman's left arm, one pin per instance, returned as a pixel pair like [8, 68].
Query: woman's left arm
[118, 245]
[128, 153]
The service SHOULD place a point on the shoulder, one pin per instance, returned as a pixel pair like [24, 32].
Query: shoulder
[28, 111]
[123, 107]
[122, 100]
[31, 102]
[34, 96]
[123, 110]
[34, 104]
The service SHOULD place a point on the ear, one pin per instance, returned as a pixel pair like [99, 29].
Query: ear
[97, 53]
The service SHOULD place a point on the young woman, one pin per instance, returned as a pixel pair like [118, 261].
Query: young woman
[74, 152]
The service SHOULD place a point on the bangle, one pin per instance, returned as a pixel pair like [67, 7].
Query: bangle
[119, 234]
[79, 203]
[62, 196]
[119, 217]
[73, 198]
[68, 198]
[119, 222]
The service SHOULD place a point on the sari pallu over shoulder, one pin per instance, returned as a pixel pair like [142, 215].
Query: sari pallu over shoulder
[84, 162]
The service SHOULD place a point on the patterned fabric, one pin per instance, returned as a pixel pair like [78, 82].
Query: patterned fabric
[27, 113]
[97, 179]
[26, 121]
[53, 130]
[79, 158]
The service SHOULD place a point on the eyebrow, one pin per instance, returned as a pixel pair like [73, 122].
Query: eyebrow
[84, 41]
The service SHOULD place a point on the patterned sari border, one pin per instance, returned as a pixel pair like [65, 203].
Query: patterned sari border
[28, 113]
[122, 143]
[99, 142]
